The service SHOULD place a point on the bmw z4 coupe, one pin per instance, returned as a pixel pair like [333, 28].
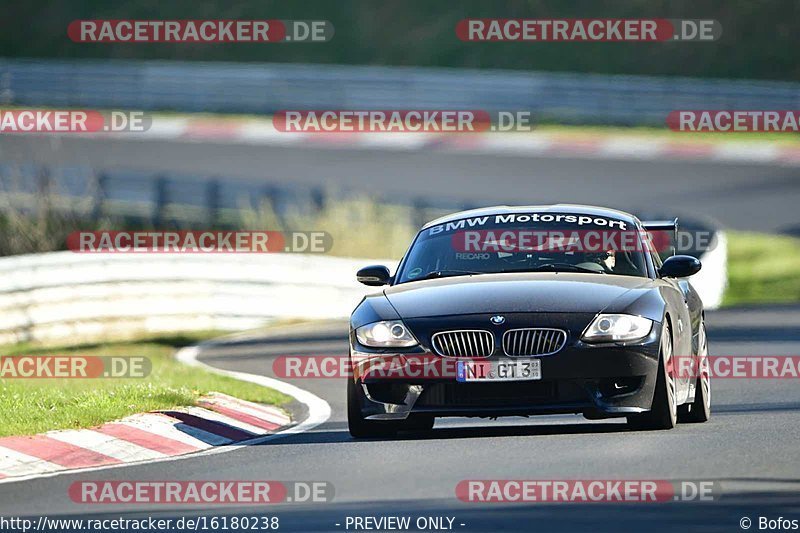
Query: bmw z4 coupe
[519, 311]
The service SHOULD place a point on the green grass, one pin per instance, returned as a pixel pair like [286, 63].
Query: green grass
[361, 227]
[29, 406]
[762, 269]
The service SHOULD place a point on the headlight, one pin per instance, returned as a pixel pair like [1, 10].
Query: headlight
[608, 327]
[386, 334]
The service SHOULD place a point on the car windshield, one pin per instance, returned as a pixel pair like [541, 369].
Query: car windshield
[529, 242]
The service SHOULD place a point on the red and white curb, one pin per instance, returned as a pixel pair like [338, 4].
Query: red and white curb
[532, 144]
[221, 420]
[219, 424]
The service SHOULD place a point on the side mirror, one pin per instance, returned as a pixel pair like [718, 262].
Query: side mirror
[680, 266]
[374, 275]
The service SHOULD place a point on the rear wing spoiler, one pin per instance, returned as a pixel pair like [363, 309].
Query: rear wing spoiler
[665, 226]
[661, 225]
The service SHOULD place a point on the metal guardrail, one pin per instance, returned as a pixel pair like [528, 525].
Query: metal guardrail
[266, 88]
[63, 296]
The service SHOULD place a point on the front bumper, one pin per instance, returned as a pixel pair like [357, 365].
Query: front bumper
[599, 381]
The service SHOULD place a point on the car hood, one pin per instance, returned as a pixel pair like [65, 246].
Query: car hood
[530, 292]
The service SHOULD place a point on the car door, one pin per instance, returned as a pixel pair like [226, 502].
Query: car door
[685, 308]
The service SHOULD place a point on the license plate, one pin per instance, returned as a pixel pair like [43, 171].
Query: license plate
[502, 370]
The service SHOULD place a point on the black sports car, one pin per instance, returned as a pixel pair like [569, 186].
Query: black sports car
[529, 310]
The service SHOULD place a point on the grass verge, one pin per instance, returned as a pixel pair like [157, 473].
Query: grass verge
[29, 406]
[762, 269]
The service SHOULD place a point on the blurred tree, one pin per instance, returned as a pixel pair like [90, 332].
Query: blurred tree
[759, 36]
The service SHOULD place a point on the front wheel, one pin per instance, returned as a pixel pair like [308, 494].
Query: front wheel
[700, 409]
[663, 413]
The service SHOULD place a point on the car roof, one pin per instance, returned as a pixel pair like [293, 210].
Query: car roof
[575, 209]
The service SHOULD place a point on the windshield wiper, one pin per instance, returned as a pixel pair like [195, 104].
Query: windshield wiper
[448, 273]
[558, 267]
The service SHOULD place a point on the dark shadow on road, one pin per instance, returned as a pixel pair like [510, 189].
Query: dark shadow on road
[336, 432]
[756, 407]
[753, 334]
[723, 515]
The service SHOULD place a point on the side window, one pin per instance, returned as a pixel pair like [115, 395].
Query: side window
[653, 253]
[656, 258]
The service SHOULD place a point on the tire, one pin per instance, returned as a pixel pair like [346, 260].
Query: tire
[361, 428]
[663, 412]
[700, 409]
